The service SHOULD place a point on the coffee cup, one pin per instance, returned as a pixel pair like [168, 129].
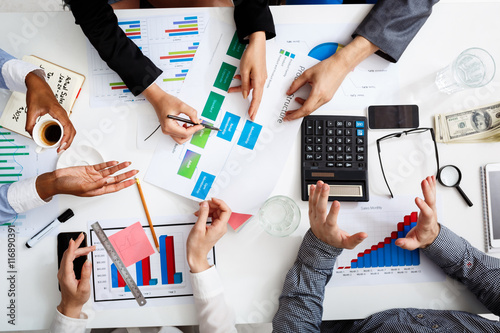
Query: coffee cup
[47, 134]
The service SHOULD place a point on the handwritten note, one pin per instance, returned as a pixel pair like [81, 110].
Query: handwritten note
[132, 244]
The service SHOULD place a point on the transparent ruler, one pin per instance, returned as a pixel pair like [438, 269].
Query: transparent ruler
[139, 297]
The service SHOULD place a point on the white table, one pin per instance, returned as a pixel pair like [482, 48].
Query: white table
[253, 264]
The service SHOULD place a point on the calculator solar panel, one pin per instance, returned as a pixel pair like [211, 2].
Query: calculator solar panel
[334, 150]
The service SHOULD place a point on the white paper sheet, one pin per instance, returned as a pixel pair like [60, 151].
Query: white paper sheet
[374, 81]
[19, 161]
[107, 292]
[379, 218]
[241, 163]
[170, 42]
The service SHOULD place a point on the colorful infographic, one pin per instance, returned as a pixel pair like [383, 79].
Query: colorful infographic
[160, 276]
[377, 260]
[170, 42]
[222, 163]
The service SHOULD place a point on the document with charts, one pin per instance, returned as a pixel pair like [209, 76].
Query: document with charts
[162, 277]
[241, 163]
[374, 81]
[377, 260]
[169, 41]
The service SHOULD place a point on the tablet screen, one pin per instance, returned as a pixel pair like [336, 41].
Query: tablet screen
[494, 187]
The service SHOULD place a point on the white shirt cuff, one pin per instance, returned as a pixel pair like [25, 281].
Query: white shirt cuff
[23, 196]
[206, 284]
[63, 324]
[14, 73]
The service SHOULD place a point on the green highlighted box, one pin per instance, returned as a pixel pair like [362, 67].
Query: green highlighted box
[189, 163]
[133, 30]
[235, 49]
[225, 76]
[200, 138]
[213, 105]
[194, 25]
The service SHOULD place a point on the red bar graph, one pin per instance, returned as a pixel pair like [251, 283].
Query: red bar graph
[169, 244]
[121, 281]
[181, 30]
[146, 271]
[177, 56]
[386, 253]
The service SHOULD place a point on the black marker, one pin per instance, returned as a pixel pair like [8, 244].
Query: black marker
[48, 228]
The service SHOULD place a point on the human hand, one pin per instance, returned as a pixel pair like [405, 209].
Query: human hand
[253, 71]
[327, 76]
[74, 293]
[166, 104]
[41, 100]
[324, 224]
[427, 228]
[203, 237]
[85, 181]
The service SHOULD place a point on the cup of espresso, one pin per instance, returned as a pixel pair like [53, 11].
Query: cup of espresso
[47, 133]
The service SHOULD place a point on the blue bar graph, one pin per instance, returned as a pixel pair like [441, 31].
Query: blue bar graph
[184, 33]
[129, 22]
[386, 253]
[114, 276]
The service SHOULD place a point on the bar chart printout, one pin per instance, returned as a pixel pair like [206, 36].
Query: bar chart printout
[18, 161]
[161, 276]
[386, 253]
[377, 260]
[169, 41]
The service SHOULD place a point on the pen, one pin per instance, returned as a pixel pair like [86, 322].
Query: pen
[49, 227]
[188, 121]
[147, 213]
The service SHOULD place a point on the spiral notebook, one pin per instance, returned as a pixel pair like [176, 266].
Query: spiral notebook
[486, 204]
[66, 85]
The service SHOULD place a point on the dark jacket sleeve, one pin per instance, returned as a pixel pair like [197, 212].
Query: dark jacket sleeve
[251, 16]
[100, 25]
[392, 24]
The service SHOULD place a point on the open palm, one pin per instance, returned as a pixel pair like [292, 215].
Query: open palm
[93, 180]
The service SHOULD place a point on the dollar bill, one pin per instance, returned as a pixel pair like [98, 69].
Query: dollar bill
[475, 125]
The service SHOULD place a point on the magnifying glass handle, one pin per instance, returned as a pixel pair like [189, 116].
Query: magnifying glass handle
[464, 196]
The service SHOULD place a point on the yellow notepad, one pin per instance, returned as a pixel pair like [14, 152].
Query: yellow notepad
[66, 85]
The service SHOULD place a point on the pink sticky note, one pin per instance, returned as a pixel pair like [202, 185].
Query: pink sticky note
[237, 220]
[132, 244]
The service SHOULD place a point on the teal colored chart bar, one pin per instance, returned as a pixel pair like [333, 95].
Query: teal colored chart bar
[12, 147]
[15, 154]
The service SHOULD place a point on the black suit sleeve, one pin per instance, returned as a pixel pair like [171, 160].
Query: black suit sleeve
[100, 24]
[392, 24]
[251, 16]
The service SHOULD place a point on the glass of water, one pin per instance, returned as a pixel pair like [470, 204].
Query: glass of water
[473, 68]
[279, 216]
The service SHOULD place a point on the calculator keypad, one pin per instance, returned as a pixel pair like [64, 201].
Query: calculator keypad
[335, 143]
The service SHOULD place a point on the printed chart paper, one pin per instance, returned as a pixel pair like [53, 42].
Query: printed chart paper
[162, 277]
[373, 81]
[242, 162]
[170, 42]
[382, 262]
[19, 161]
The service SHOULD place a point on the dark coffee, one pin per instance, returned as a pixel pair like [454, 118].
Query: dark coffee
[52, 134]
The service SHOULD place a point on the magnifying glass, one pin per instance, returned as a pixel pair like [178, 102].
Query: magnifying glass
[450, 176]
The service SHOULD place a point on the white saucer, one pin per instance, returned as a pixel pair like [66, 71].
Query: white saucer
[80, 155]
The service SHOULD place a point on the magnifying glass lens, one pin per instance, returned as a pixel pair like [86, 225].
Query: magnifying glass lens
[449, 176]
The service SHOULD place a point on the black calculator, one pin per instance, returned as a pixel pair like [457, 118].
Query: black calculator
[334, 150]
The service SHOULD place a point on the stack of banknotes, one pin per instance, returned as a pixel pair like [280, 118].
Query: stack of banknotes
[475, 125]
